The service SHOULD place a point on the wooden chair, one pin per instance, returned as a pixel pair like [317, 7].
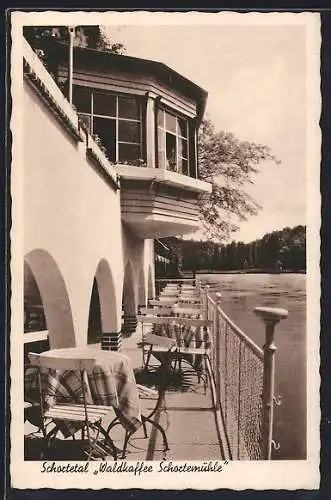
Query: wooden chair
[185, 345]
[194, 346]
[81, 416]
[151, 343]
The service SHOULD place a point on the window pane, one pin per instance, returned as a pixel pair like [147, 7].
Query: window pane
[128, 107]
[128, 152]
[171, 152]
[105, 128]
[171, 122]
[182, 127]
[182, 147]
[192, 152]
[129, 131]
[104, 104]
[81, 98]
[160, 118]
[161, 148]
[183, 166]
[86, 120]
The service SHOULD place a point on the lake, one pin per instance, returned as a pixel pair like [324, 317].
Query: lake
[240, 294]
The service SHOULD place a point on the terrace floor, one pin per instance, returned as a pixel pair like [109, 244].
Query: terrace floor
[188, 417]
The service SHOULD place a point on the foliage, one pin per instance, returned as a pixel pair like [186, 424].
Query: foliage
[41, 39]
[279, 250]
[171, 250]
[229, 164]
[92, 37]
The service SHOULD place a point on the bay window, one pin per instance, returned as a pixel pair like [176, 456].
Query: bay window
[115, 119]
[119, 120]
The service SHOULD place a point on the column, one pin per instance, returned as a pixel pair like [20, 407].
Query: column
[150, 131]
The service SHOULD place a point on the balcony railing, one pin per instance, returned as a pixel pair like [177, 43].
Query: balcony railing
[243, 377]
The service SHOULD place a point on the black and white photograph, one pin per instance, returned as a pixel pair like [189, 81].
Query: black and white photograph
[165, 278]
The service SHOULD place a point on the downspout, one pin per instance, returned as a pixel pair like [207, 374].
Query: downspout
[71, 30]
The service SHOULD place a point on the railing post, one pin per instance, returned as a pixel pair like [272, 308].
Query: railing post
[217, 346]
[270, 316]
[206, 292]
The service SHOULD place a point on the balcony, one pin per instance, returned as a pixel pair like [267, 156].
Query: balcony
[156, 202]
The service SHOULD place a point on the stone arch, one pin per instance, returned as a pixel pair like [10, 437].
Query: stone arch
[129, 301]
[54, 298]
[129, 296]
[141, 289]
[103, 316]
[150, 284]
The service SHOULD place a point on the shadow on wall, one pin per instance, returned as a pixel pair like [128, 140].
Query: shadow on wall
[94, 330]
[129, 303]
[46, 300]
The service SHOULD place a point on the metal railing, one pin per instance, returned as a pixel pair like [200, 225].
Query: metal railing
[243, 376]
[244, 379]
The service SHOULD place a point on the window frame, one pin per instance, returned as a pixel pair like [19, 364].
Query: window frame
[178, 135]
[117, 118]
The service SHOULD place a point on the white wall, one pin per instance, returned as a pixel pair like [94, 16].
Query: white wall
[72, 215]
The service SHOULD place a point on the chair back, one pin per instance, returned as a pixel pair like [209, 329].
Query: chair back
[158, 340]
[168, 299]
[189, 305]
[148, 310]
[157, 320]
[193, 321]
[186, 312]
[168, 294]
[167, 320]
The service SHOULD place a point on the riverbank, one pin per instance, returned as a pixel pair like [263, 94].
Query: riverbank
[251, 271]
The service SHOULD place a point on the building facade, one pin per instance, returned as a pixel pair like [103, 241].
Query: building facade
[101, 181]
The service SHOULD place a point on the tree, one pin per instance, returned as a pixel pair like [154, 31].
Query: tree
[41, 39]
[229, 165]
[93, 37]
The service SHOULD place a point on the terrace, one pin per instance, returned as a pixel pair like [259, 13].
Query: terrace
[230, 417]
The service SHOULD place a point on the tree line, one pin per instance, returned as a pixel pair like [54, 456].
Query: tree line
[283, 250]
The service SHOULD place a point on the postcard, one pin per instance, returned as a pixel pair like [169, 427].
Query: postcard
[165, 278]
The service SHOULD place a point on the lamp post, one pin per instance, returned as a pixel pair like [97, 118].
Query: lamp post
[71, 30]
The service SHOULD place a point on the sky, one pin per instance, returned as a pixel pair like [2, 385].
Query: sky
[255, 76]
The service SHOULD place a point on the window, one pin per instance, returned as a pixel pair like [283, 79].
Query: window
[116, 119]
[172, 134]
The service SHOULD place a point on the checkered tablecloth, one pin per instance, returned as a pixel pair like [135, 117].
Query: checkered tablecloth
[187, 336]
[111, 383]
